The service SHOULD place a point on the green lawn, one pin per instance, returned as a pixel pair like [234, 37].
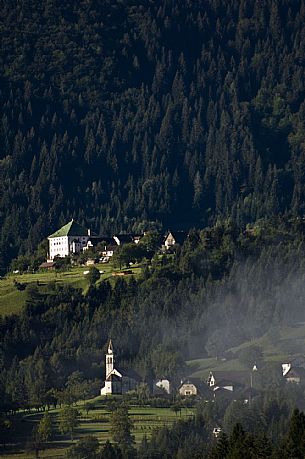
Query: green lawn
[12, 300]
[201, 367]
[96, 423]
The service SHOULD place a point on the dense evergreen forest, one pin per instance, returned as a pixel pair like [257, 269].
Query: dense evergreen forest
[191, 439]
[128, 115]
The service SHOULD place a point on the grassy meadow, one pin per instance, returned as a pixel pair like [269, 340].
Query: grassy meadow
[288, 343]
[96, 422]
[12, 300]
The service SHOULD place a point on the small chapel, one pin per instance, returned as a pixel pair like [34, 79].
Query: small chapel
[116, 381]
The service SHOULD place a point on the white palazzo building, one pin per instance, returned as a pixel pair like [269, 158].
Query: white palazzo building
[69, 239]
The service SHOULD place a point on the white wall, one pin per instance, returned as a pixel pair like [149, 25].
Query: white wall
[58, 246]
[61, 246]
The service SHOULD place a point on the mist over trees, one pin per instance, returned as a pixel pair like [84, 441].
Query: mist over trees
[121, 114]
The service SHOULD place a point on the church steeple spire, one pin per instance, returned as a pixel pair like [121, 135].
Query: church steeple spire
[110, 347]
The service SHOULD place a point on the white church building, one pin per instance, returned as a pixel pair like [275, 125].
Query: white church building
[117, 382]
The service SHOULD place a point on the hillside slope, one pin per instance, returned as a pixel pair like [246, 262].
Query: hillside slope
[124, 113]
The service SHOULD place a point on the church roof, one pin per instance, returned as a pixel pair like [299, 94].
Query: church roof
[70, 229]
[114, 377]
[132, 374]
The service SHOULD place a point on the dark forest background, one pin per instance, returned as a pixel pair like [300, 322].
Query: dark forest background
[128, 115]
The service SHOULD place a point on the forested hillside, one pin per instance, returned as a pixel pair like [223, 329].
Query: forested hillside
[127, 114]
[222, 289]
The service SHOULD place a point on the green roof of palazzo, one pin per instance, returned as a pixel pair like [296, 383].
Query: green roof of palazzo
[70, 229]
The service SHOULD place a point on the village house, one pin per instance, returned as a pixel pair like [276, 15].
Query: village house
[216, 432]
[117, 381]
[47, 265]
[228, 381]
[109, 250]
[293, 374]
[174, 238]
[194, 387]
[188, 388]
[162, 386]
[231, 378]
[95, 241]
[107, 246]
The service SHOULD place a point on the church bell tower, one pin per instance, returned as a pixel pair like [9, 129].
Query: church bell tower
[109, 359]
[113, 378]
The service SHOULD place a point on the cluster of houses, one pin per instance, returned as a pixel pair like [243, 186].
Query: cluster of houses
[73, 238]
[230, 384]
